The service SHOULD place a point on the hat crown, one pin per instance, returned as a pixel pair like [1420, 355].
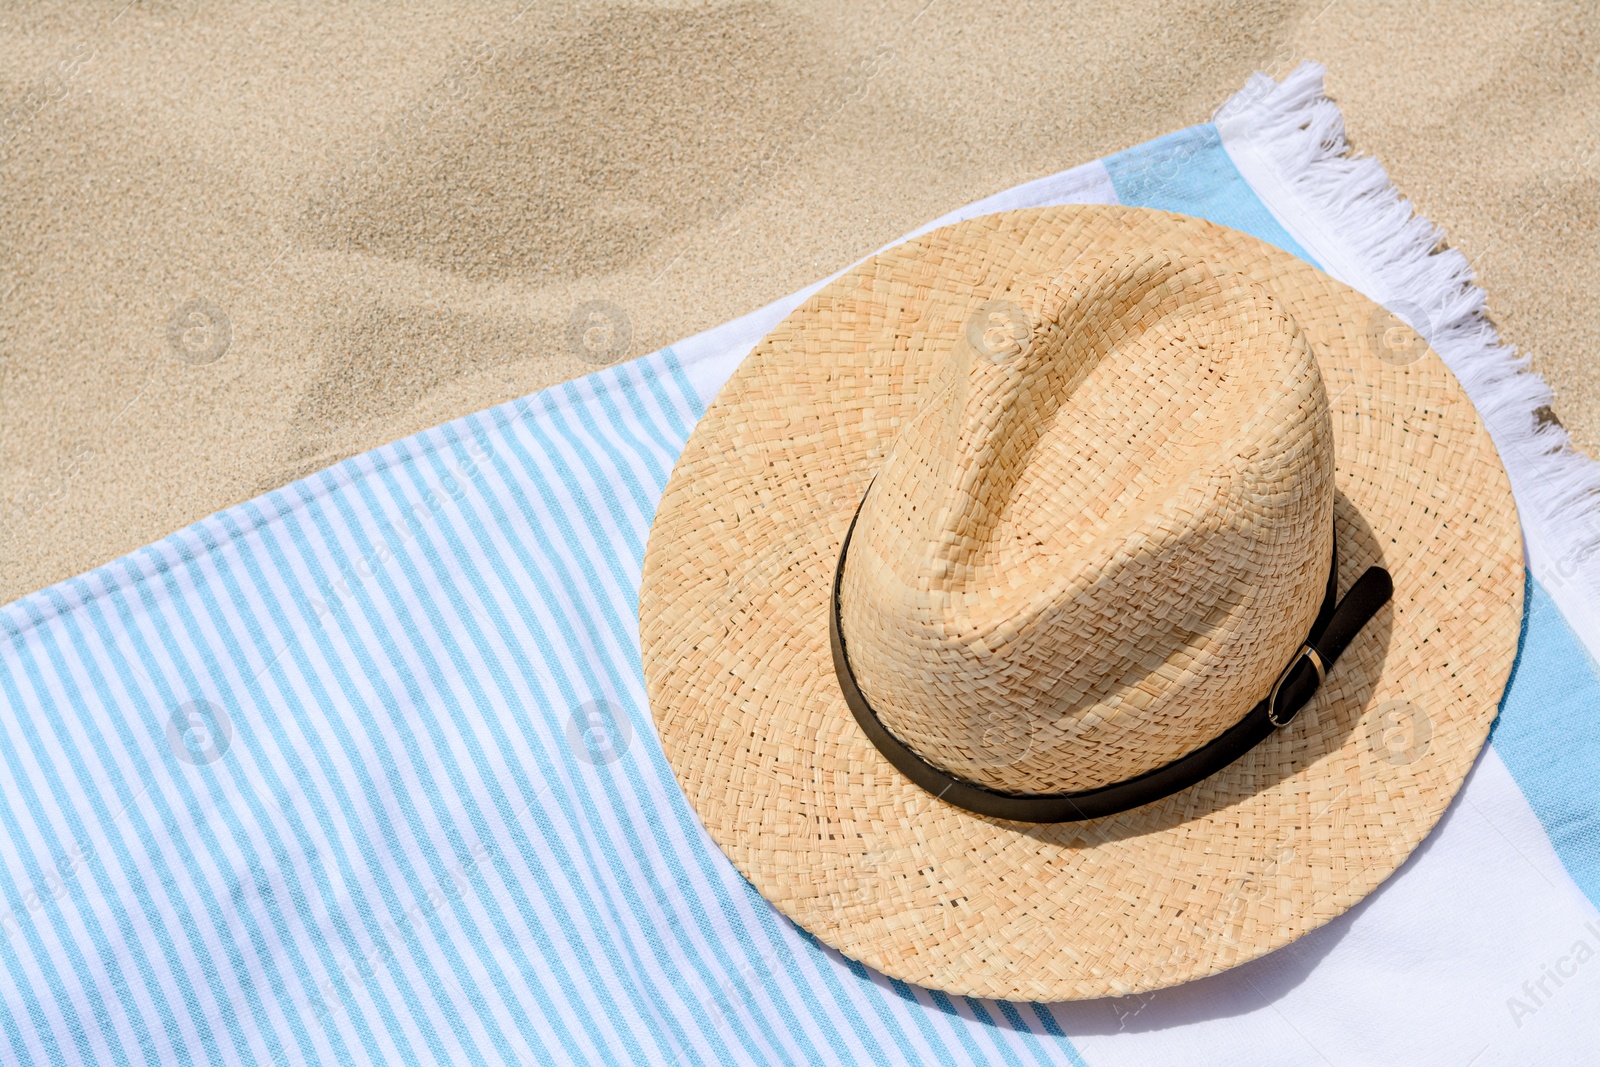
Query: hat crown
[1103, 535]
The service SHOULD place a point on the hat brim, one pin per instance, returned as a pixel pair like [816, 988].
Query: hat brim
[734, 628]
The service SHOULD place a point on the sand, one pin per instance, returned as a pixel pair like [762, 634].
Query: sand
[240, 243]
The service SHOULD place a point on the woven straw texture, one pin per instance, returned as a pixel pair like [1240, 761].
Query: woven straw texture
[1105, 532]
[1101, 437]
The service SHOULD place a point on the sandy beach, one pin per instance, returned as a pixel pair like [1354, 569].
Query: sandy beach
[240, 243]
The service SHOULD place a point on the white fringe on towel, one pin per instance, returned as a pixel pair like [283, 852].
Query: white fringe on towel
[1287, 138]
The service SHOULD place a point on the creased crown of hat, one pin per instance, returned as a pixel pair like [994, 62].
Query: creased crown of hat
[1105, 533]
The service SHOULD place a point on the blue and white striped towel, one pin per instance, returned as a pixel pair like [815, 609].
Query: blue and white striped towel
[314, 780]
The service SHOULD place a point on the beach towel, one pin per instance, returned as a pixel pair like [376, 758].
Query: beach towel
[362, 770]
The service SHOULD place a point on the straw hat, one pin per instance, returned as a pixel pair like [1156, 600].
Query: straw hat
[985, 612]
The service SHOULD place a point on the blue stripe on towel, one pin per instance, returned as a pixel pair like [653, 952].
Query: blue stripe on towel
[1548, 736]
[1189, 172]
